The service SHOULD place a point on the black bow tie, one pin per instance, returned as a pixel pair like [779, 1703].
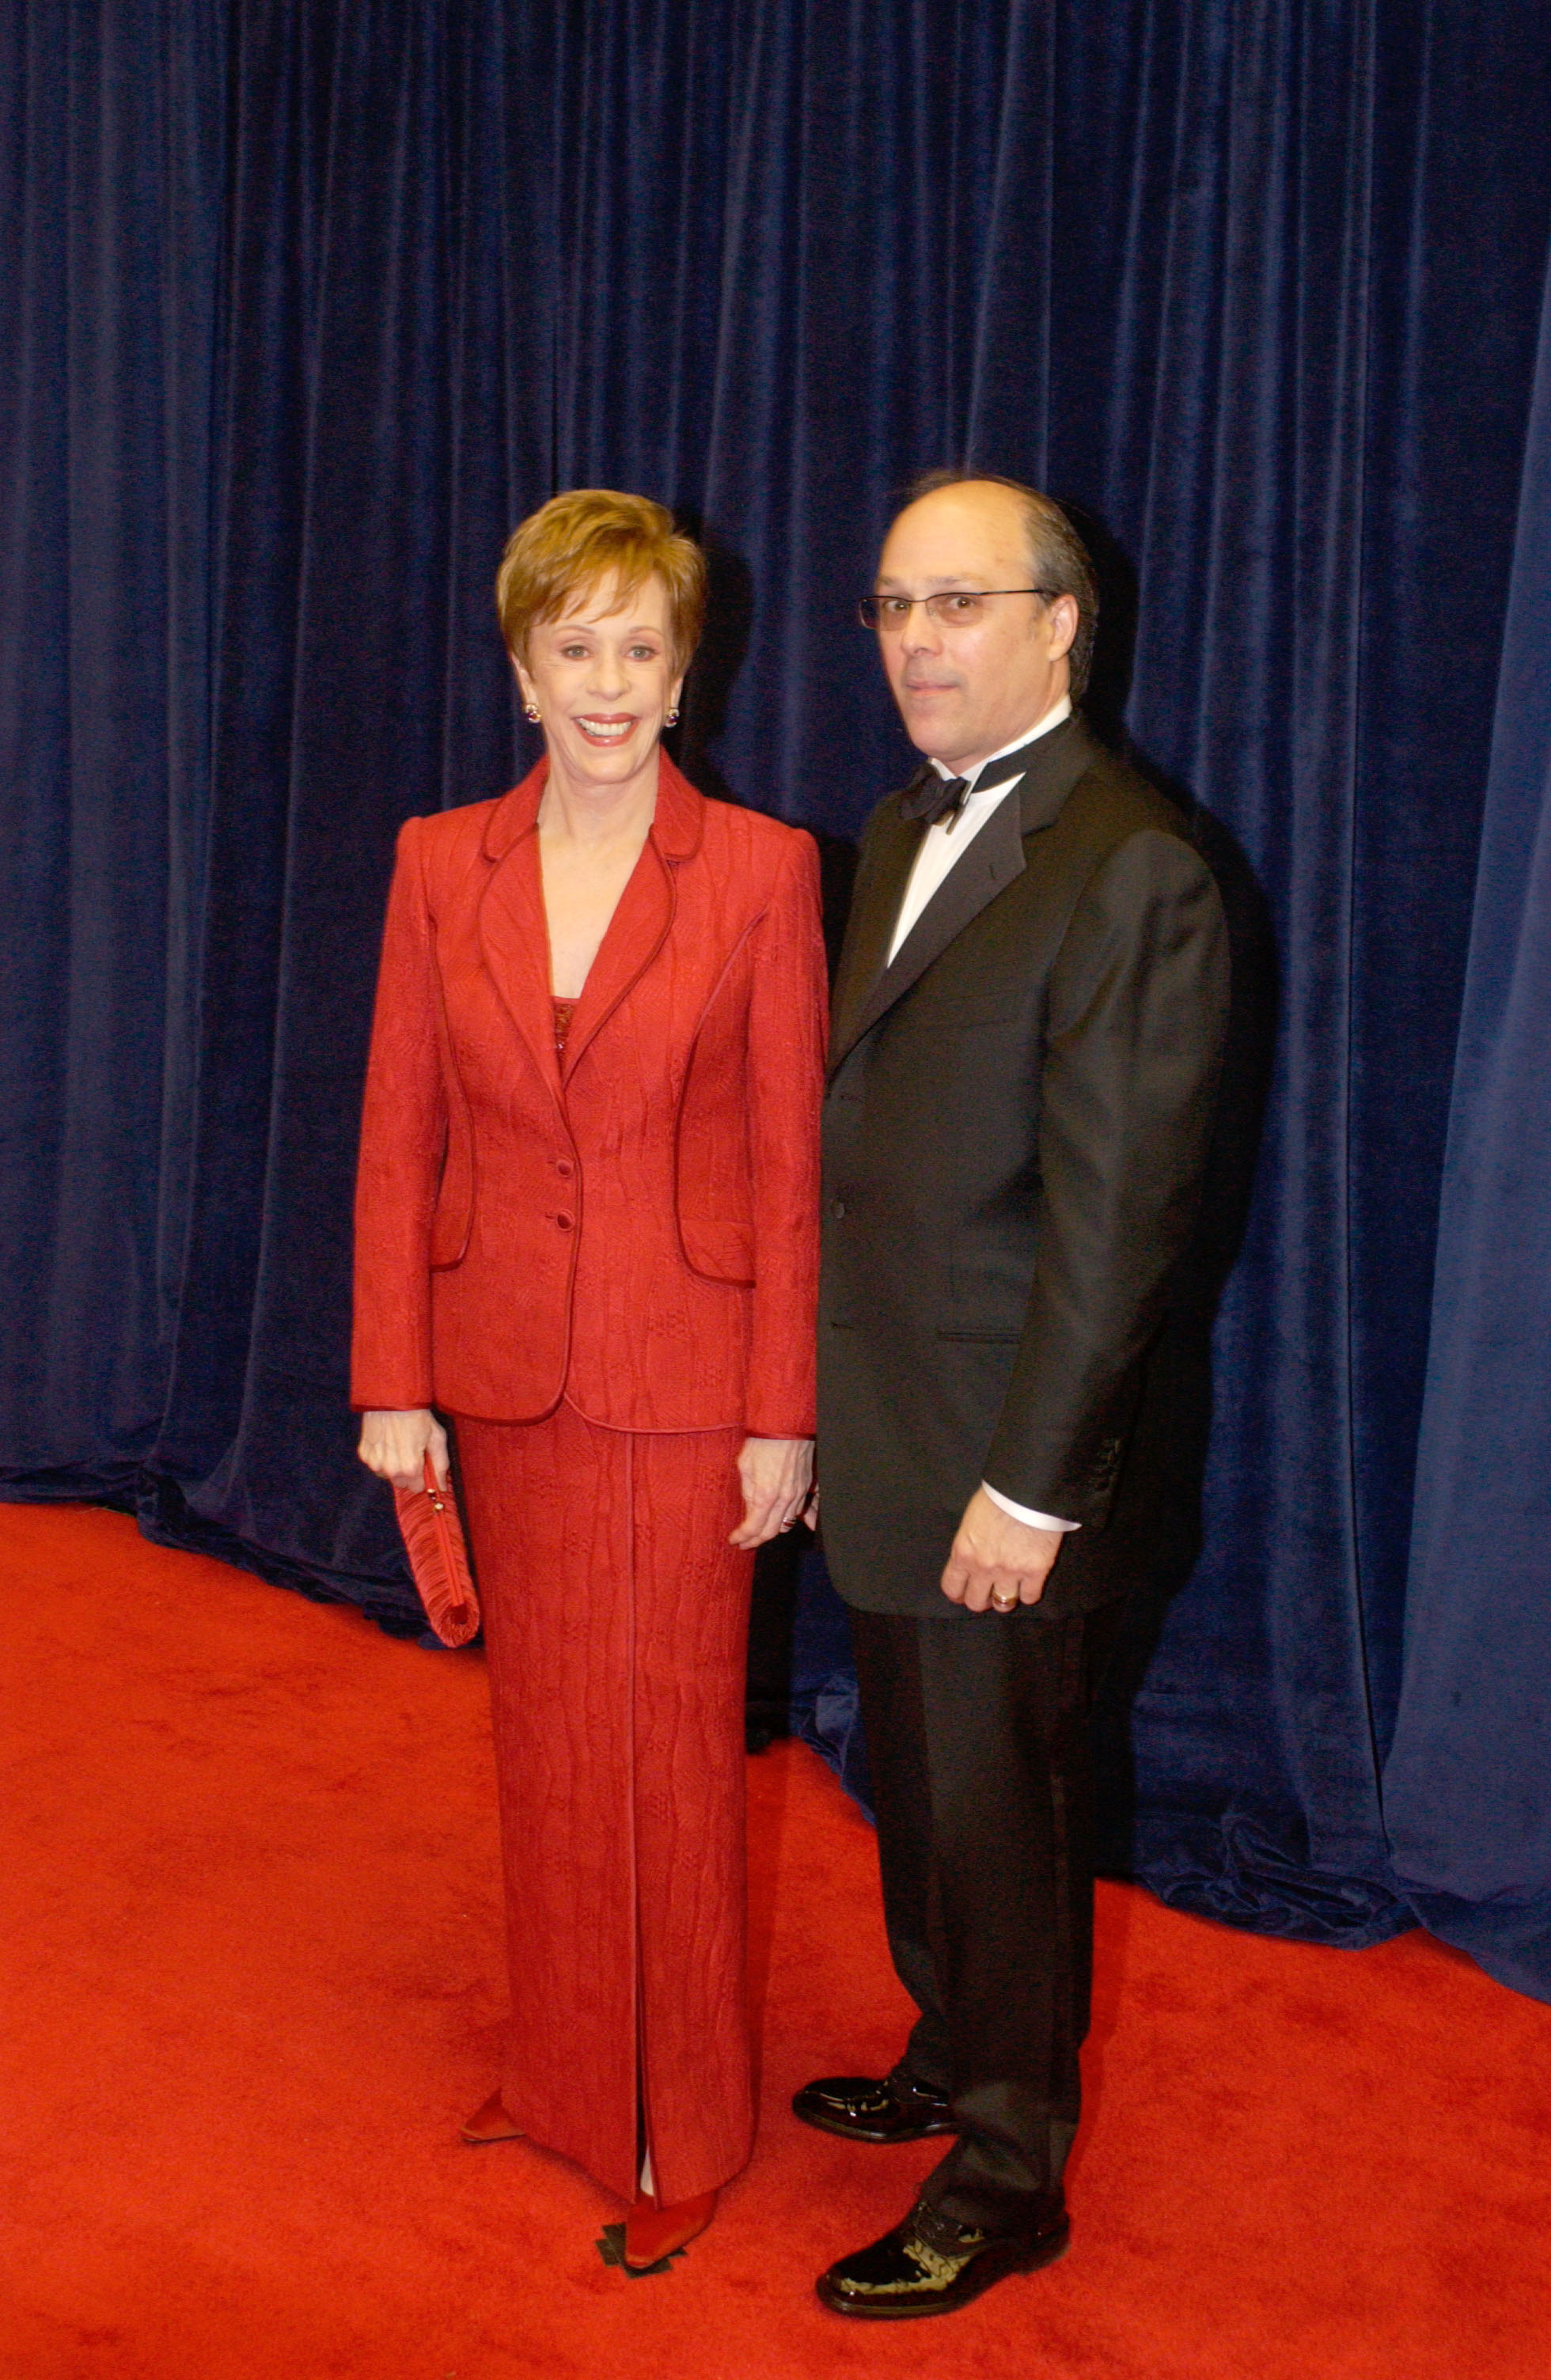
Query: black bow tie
[930, 797]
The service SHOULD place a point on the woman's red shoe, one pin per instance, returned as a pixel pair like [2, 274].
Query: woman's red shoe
[652, 2232]
[490, 2122]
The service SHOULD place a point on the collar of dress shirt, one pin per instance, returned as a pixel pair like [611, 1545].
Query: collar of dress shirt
[1058, 711]
[945, 843]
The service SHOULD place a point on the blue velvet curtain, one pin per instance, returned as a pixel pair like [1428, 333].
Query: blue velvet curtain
[1466, 1782]
[315, 300]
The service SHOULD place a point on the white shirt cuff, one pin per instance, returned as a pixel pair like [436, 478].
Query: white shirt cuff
[1026, 1513]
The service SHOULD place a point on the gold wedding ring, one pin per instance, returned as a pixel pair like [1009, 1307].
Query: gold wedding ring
[1008, 1603]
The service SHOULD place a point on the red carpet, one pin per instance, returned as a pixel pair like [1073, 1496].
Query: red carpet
[253, 1951]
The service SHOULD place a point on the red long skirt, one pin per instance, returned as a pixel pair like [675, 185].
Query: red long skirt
[616, 1618]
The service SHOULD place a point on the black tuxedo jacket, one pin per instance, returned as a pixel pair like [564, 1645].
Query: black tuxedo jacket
[1015, 1126]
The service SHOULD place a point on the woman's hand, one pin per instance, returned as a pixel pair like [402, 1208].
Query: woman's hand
[394, 1444]
[777, 1475]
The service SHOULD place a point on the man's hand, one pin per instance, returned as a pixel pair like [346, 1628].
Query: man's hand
[395, 1445]
[997, 1562]
[775, 1475]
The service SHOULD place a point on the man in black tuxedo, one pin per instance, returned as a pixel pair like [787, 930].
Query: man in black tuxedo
[1029, 1023]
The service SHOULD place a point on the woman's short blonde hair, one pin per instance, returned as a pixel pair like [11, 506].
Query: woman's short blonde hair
[577, 539]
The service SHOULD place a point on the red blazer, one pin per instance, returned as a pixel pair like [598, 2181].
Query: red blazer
[635, 1229]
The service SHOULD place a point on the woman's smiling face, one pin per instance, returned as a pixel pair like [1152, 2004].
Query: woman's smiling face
[603, 676]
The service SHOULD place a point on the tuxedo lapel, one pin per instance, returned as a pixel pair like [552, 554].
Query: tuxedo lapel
[1055, 764]
[892, 846]
[989, 865]
[869, 988]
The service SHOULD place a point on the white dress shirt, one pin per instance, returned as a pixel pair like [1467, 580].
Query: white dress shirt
[950, 837]
[941, 844]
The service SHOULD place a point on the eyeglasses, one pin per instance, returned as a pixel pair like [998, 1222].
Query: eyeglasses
[961, 608]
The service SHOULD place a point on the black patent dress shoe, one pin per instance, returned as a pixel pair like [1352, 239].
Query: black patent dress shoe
[867, 2107]
[928, 2264]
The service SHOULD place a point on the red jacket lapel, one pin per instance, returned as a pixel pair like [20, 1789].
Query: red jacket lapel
[513, 933]
[643, 918]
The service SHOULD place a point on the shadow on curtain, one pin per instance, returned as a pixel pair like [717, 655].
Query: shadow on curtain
[319, 301]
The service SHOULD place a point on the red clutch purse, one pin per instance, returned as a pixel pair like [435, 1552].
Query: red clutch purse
[432, 1534]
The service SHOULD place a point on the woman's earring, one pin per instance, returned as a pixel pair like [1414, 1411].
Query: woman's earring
[530, 710]
[672, 716]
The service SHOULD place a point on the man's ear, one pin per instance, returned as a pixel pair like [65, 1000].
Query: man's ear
[1062, 617]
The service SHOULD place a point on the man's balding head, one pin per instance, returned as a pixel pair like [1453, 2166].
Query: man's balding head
[968, 682]
[1057, 557]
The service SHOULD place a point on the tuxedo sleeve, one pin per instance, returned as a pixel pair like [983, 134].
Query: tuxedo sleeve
[1137, 1010]
[785, 1086]
[404, 1138]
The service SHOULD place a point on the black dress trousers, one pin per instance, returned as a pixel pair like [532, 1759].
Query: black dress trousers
[978, 1743]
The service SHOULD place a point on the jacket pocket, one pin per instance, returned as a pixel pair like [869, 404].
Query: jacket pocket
[452, 1221]
[952, 1010]
[449, 1236]
[720, 1250]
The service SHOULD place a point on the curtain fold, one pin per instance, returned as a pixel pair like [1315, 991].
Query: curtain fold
[318, 301]
[1467, 1784]
[111, 198]
[1247, 690]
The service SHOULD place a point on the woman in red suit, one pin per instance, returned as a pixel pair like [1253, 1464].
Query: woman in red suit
[587, 1230]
